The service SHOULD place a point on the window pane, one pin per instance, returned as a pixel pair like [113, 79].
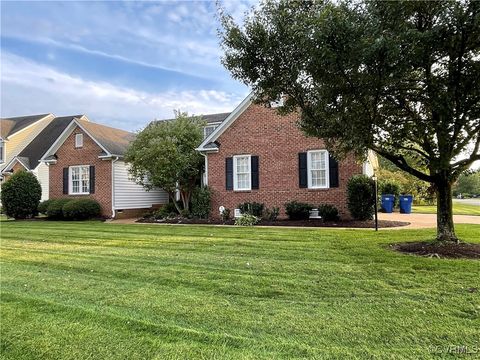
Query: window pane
[319, 178]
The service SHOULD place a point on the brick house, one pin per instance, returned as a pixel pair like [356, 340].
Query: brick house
[86, 160]
[257, 155]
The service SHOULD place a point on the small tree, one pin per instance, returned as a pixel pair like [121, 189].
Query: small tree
[361, 197]
[20, 195]
[163, 156]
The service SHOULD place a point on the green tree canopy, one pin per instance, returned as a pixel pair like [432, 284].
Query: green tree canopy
[163, 155]
[398, 77]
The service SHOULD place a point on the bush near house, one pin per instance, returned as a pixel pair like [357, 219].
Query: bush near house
[361, 197]
[388, 187]
[201, 202]
[20, 195]
[298, 210]
[81, 209]
[271, 214]
[43, 206]
[55, 208]
[247, 220]
[328, 212]
[252, 208]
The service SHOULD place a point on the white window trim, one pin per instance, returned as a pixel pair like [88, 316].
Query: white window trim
[327, 170]
[235, 180]
[78, 144]
[205, 130]
[70, 181]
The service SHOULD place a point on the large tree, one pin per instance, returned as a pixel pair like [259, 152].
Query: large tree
[401, 78]
[163, 156]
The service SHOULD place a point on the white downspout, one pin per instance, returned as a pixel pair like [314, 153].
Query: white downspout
[113, 187]
[205, 182]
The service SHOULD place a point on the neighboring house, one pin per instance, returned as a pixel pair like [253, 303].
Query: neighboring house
[86, 161]
[29, 158]
[257, 155]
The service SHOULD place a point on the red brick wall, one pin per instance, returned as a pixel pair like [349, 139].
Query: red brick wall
[68, 155]
[276, 140]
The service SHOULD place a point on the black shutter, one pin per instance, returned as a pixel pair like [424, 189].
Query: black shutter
[333, 171]
[65, 180]
[302, 170]
[255, 175]
[229, 173]
[92, 179]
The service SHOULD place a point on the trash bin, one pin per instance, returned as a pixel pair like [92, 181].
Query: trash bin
[406, 204]
[387, 202]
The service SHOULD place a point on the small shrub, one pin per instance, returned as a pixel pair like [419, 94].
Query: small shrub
[43, 206]
[328, 212]
[81, 209]
[55, 208]
[225, 215]
[252, 208]
[247, 220]
[201, 202]
[361, 197]
[166, 211]
[272, 214]
[21, 195]
[388, 187]
[297, 210]
[185, 213]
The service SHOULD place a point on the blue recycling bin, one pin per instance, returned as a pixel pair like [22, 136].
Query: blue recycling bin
[406, 204]
[387, 202]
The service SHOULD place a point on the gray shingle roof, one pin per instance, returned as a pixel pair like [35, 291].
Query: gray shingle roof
[9, 126]
[43, 141]
[209, 118]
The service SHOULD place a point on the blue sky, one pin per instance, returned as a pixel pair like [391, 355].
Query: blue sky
[121, 63]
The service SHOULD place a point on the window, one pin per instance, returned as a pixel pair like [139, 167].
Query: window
[78, 140]
[79, 180]
[207, 130]
[241, 172]
[2, 149]
[317, 164]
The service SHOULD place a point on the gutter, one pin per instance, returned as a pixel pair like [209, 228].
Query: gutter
[113, 186]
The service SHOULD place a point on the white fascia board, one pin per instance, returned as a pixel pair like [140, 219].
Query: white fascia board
[226, 123]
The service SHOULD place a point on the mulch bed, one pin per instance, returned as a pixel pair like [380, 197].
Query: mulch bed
[284, 222]
[450, 250]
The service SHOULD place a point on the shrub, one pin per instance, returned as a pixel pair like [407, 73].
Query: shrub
[21, 195]
[43, 206]
[361, 197]
[247, 220]
[328, 212]
[81, 209]
[225, 215]
[201, 202]
[166, 211]
[55, 208]
[390, 187]
[297, 210]
[252, 208]
[185, 213]
[272, 214]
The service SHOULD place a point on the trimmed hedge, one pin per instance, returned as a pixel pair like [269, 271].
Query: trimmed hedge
[361, 197]
[252, 208]
[297, 210]
[43, 206]
[328, 212]
[55, 208]
[201, 202]
[81, 209]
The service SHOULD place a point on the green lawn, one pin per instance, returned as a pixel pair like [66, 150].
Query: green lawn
[458, 209]
[102, 291]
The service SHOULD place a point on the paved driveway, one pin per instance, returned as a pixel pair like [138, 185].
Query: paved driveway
[420, 221]
[475, 202]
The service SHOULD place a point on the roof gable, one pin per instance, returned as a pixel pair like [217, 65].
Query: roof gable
[13, 125]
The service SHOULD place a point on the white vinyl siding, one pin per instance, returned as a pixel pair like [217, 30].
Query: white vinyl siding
[42, 175]
[79, 180]
[242, 172]
[78, 140]
[129, 195]
[2, 151]
[317, 167]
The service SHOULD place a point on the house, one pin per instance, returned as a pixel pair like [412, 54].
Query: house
[86, 161]
[29, 157]
[257, 155]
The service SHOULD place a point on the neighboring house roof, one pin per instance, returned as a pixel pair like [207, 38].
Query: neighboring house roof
[112, 141]
[209, 143]
[12, 125]
[209, 118]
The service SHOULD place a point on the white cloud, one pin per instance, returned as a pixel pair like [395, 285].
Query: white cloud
[29, 87]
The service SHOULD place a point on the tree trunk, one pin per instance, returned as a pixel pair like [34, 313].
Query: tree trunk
[174, 200]
[445, 226]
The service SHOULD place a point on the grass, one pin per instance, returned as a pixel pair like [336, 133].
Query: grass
[103, 291]
[458, 209]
